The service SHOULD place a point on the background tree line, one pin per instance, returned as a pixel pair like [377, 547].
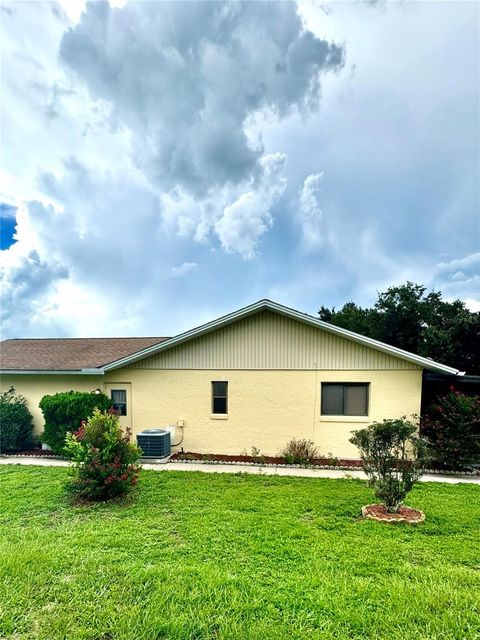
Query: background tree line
[410, 318]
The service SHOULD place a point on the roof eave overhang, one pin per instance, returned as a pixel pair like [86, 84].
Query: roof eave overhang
[420, 361]
[53, 372]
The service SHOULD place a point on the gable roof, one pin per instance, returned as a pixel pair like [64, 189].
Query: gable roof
[68, 354]
[269, 305]
[161, 344]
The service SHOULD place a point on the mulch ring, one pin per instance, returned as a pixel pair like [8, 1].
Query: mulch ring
[404, 514]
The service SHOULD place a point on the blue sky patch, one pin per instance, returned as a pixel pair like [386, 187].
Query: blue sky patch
[8, 222]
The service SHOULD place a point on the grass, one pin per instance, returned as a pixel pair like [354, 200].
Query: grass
[237, 557]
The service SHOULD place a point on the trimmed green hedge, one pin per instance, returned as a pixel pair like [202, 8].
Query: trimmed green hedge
[16, 422]
[64, 412]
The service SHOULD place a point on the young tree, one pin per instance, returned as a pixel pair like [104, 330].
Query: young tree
[394, 458]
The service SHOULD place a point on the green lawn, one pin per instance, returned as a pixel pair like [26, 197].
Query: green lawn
[210, 556]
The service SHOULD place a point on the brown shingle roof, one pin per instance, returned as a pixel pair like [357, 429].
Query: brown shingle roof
[67, 354]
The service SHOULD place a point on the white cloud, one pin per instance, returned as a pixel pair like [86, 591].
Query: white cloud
[184, 269]
[246, 219]
[238, 215]
[460, 268]
[397, 138]
[73, 8]
[204, 72]
[47, 115]
[242, 223]
[158, 139]
[95, 236]
[472, 305]
[133, 154]
[309, 212]
[460, 278]
[28, 281]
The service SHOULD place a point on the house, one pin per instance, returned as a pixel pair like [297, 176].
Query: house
[257, 377]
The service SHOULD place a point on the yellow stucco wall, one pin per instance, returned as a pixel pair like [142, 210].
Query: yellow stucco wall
[266, 409]
[34, 387]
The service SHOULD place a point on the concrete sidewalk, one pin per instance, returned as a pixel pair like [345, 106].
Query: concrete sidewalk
[245, 468]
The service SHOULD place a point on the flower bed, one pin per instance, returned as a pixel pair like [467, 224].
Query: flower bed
[213, 458]
[32, 453]
[321, 463]
[263, 460]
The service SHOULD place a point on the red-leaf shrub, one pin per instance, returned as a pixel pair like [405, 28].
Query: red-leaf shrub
[105, 460]
[452, 424]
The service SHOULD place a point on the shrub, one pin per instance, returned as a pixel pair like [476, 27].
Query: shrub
[452, 424]
[300, 451]
[105, 460]
[394, 458]
[65, 412]
[257, 455]
[16, 422]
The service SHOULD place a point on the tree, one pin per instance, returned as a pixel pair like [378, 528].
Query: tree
[350, 317]
[410, 318]
[394, 458]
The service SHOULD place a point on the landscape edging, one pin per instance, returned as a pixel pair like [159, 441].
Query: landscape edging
[315, 466]
[257, 464]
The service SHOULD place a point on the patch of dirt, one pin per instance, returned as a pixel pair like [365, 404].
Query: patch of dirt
[404, 514]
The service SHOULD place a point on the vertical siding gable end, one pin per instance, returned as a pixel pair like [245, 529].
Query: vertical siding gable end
[268, 340]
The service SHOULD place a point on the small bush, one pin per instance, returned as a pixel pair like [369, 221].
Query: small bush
[300, 451]
[105, 460]
[16, 422]
[394, 458]
[65, 412]
[452, 424]
[257, 455]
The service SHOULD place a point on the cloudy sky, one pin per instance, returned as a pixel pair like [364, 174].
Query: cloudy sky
[165, 163]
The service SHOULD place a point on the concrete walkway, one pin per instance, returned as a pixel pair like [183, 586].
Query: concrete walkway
[245, 468]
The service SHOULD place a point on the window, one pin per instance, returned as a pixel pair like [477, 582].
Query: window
[119, 399]
[345, 399]
[220, 397]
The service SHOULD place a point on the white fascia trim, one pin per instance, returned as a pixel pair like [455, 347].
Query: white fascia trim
[425, 363]
[51, 372]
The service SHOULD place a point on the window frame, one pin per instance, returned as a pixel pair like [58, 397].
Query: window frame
[345, 385]
[214, 396]
[125, 404]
